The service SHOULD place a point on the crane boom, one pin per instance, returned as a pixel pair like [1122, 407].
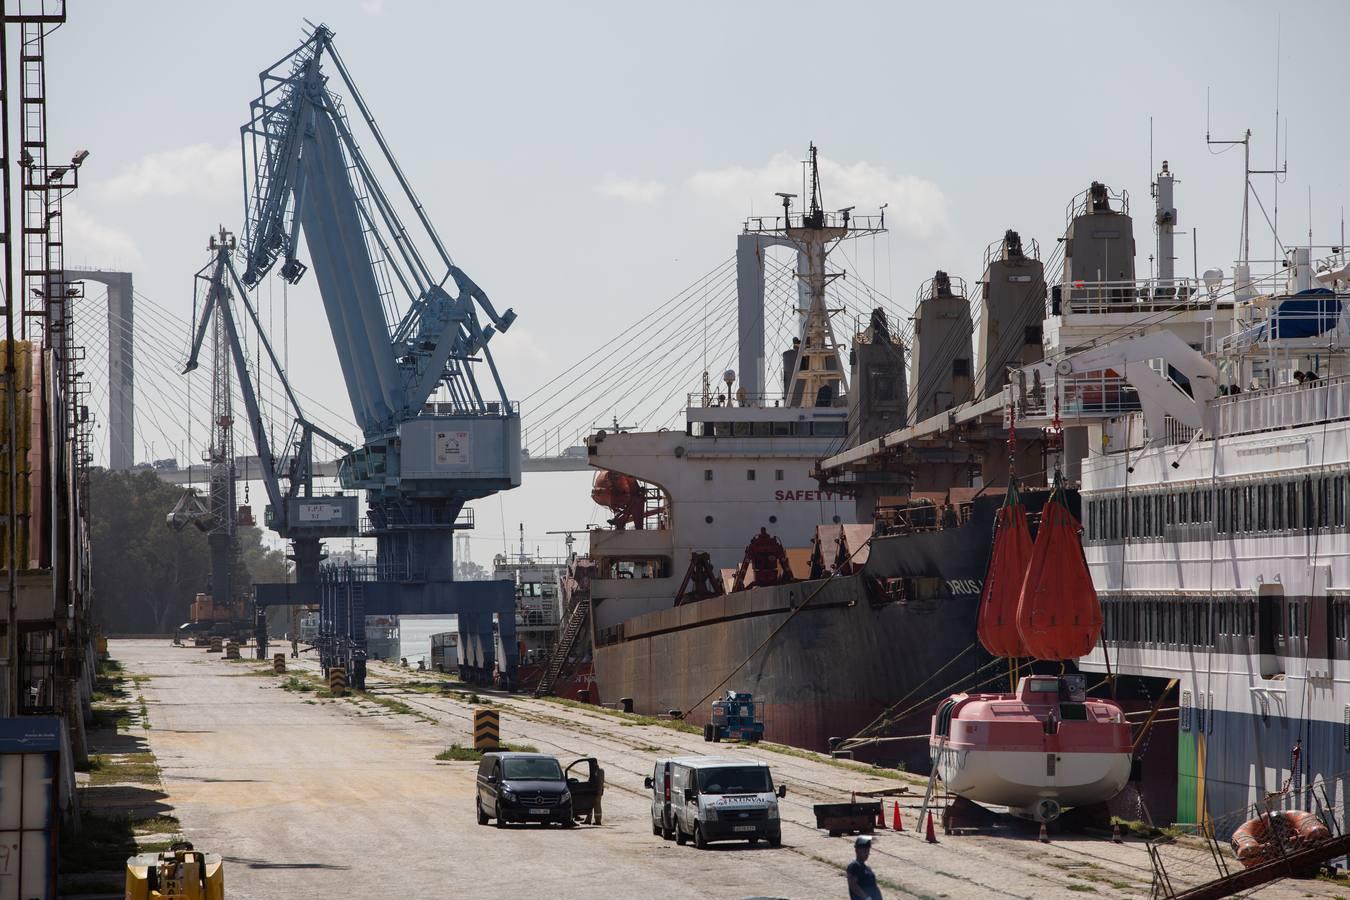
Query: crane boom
[408, 335]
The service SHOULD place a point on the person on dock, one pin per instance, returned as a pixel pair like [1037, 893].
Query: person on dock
[595, 814]
[862, 881]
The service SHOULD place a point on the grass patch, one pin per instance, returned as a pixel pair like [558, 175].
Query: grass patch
[848, 765]
[297, 684]
[628, 718]
[159, 825]
[103, 842]
[429, 687]
[114, 717]
[1082, 888]
[398, 706]
[123, 768]
[456, 753]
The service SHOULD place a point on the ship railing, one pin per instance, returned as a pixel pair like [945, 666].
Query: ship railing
[1093, 395]
[1031, 249]
[537, 618]
[1287, 406]
[1118, 201]
[719, 400]
[1130, 432]
[1280, 326]
[956, 288]
[1132, 296]
[822, 219]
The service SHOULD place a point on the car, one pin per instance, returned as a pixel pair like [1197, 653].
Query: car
[522, 787]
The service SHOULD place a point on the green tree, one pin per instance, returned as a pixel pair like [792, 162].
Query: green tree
[145, 573]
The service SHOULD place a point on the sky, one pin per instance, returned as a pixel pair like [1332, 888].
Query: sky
[584, 163]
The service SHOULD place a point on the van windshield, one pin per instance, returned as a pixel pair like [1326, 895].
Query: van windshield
[735, 780]
[532, 768]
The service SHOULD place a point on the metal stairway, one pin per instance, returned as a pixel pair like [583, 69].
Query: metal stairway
[566, 641]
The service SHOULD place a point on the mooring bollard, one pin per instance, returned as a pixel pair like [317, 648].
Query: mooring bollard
[279, 663]
[215, 645]
[337, 681]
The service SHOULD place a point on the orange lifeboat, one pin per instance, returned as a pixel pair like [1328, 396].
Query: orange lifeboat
[997, 622]
[621, 494]
[1058, 615]
[1259, 839]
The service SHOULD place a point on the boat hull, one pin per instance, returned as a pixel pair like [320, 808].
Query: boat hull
[1021, 779]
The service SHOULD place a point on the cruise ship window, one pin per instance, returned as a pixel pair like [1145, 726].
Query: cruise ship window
[1261, 522]
[1323, 502]
[721, 429]
[831, 429]
[707, 474]
[1277, 506]
[777, 474]
[1148, 517]
[741, 429]
[761, 429]
[1306, 503]
[749, 474]
[1293, 619]
[1208, 504]
[782, 429]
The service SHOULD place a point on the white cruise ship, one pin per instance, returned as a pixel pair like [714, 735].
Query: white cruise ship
[1212, 447]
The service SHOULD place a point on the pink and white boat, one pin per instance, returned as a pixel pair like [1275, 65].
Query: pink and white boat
[1043, 749]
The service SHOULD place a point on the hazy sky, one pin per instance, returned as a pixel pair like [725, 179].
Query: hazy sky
[584, 161]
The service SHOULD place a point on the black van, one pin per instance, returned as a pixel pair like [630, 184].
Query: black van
[522, 787]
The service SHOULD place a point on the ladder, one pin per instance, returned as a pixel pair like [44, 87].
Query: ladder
[566, 641]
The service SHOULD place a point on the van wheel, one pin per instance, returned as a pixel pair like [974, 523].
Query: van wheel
[482, 816]
[656, 828]
[717, 735]
[776, 841]
[497, 810]
[666, 831]
[707, 732]
[754, 841]
[679, 835]
[699, 842]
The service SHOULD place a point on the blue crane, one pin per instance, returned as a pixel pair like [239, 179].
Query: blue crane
[409, 341]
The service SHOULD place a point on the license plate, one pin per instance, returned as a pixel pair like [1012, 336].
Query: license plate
[744, 828]
[539, 812]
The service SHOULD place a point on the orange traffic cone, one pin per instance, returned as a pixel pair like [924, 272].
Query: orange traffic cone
[1045, 835]
[881, 815]
[1115, 833]
[930, 837]
[895, 818]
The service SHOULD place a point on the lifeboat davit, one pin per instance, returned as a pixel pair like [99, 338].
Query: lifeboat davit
[1259, 839]
[1038, 751]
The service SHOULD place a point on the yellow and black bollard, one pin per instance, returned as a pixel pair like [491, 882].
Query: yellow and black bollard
[486, 729]
[279, 663]
[232, 650]
[215, 645]
[337, 681]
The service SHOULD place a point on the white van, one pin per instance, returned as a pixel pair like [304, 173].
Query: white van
[711, 798]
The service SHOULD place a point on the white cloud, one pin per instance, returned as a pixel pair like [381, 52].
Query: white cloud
[372, 7]
[917, 208]
[631, 190]
[89, 242]
[197, 170]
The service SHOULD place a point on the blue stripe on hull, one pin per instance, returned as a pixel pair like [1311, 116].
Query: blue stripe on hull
[1246, 758]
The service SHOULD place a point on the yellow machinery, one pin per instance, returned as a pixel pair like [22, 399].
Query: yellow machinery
[181, 873]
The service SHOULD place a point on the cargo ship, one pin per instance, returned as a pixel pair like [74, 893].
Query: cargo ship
[826, 625]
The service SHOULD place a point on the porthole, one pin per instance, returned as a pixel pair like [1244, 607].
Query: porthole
[708, 519]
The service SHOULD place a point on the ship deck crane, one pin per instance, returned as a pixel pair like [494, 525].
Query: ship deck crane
[408, 339]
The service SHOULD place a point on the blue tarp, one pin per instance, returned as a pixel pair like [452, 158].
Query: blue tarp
[1306, 314]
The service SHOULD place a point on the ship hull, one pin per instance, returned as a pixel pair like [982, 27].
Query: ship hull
[826, 670]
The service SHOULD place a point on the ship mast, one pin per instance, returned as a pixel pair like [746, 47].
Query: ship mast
[818, 376]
